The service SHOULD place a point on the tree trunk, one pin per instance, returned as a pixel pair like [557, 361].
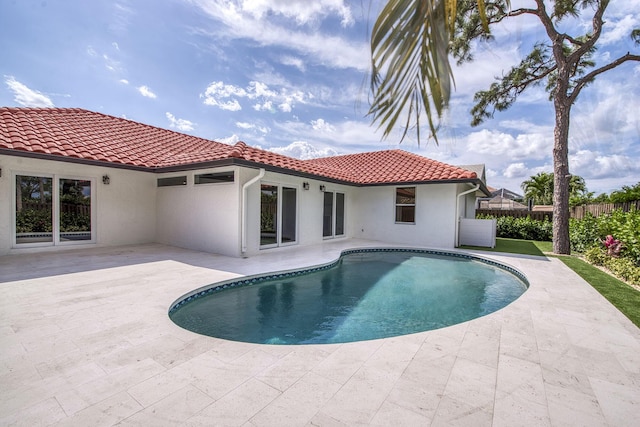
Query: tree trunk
[561, 243]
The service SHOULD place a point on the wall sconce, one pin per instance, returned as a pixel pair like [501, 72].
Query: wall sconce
[322, 188]
[106, 180]
[305, 185]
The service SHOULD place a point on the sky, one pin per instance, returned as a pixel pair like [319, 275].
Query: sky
[291, 76]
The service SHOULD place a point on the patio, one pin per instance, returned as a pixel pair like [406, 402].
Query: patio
[85, 340]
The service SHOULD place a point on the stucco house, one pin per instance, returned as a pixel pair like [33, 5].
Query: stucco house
[76, 178]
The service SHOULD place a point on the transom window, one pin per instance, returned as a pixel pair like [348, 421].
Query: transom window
[406, 205]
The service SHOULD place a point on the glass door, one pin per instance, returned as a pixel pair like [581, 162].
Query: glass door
[34, 209]
[75, 210]
[268, 215]
[52, 211]
[278, 215]
[333, 215]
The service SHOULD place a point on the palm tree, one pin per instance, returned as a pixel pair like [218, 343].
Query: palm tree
[539, 188]
[411, 74]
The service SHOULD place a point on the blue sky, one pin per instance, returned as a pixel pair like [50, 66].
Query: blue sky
[291, 76]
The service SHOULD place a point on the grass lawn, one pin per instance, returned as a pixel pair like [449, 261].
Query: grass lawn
[622, 296]
[515, 246]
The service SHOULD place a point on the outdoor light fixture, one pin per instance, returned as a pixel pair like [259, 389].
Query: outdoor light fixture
[305, 185]
[322, 188]
[106, 180]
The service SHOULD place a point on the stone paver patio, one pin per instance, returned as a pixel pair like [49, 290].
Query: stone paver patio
[85, 340]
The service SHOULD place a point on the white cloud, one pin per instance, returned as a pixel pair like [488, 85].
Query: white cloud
[304, 151]
[146, 92]
[523, 146]
[293, 62]
[251, 126]
[217, 93]
[615, 31]
[285, 107]
[245, 125]
[230, 140]
[227, 97]
[322, 126]
[516, 170]
[25, 96]
[254, 22]
[302, 11]
[123, 81]
[265, 106]
[180, 124]
[593, 164]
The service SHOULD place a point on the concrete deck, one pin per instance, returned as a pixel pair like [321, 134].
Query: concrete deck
[85, 340]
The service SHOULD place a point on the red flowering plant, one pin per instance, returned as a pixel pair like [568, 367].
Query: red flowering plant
[613, 246]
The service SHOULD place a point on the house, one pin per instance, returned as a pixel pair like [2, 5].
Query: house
[502, 199]
[72, 177]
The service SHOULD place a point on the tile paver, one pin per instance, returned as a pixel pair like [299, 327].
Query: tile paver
[85, 340]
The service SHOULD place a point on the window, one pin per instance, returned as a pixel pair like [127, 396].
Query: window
[332, 214]
[172, 181]
[214, 178]
[278, 215]
[52, 210]
[406, 205]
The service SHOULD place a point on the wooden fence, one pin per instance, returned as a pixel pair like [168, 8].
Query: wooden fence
[602, 208]
[577, 212]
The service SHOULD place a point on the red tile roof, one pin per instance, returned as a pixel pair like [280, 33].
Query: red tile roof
[82, 134]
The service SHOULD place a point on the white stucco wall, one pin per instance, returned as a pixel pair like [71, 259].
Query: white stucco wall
[125, 209]
[201, 217]
[310, 208]
[208, 217]
[374, 216]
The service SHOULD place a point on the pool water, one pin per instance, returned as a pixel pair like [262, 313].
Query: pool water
[364, 296]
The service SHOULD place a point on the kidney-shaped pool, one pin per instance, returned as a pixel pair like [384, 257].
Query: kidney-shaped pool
[365, 294]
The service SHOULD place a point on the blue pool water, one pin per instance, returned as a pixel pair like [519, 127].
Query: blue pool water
[364, 295]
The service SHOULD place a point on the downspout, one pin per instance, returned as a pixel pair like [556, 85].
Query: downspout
[243, 223]
[464, 193]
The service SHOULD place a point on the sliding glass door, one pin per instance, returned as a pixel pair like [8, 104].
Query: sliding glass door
[50, 210]
[278, 215]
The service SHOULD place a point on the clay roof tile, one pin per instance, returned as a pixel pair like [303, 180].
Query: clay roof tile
[79, 133]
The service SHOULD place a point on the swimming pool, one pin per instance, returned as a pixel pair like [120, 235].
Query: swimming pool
[366, 294]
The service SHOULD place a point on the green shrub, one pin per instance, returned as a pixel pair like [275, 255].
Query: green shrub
[584, 233]
[623, 268]
[524, 228]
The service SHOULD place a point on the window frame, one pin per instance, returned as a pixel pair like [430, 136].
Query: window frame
[213, 174]
[56, 180]
[280, 215]
[168, 181]
[334, 214]
[401, 206]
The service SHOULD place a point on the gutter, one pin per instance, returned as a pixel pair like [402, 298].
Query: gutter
[457, 241]
[243, 213]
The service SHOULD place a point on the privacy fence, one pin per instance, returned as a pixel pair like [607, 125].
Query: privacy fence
[577, 212]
